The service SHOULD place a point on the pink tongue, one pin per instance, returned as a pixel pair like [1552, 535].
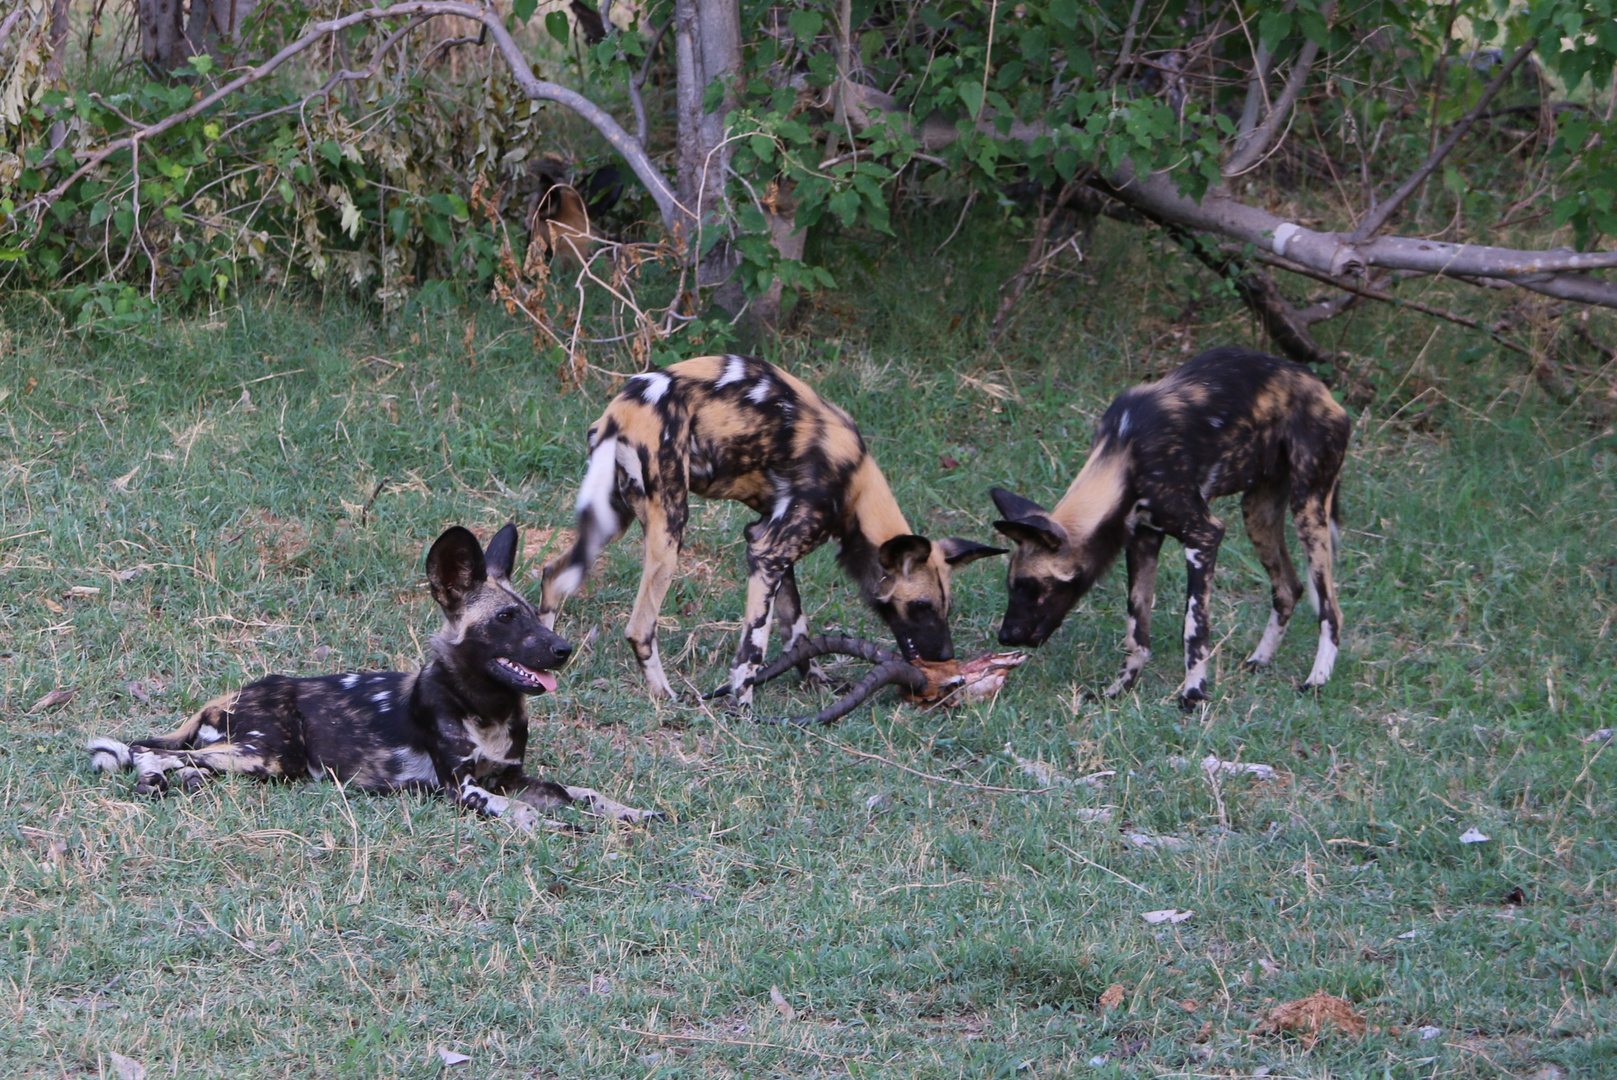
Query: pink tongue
[546, 680]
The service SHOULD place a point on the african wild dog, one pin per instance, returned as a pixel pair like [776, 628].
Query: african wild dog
[1228, 421]
[732, 427]
[457, 725]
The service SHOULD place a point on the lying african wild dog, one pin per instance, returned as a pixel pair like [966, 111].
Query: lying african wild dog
[1228, 421]
[733, 427]
[457, 725]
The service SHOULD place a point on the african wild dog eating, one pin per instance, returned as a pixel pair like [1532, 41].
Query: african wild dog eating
[457, 725]
[1228, 421]
[732, 427]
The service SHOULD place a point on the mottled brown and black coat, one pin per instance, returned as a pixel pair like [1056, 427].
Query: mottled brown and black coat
[1230, 421]
[458, 725]
[734, 427]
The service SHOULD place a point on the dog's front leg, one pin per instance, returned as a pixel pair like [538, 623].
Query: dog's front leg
[472, 796]
[548, 795]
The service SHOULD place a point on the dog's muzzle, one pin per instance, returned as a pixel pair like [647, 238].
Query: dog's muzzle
[542, 681]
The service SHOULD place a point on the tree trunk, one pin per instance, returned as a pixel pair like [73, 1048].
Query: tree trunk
[216, 24]
[162, 34]
[707, 48]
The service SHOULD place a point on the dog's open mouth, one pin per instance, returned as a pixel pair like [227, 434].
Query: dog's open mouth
[526, 676]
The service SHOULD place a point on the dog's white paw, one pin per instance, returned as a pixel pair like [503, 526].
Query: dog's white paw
[522, 816]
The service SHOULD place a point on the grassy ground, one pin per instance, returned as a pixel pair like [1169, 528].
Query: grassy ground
[208, 478]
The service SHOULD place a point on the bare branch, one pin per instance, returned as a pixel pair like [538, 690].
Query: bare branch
[1125, 53]
[7, 24]
[642, 127]
[1376, 218]
[1357, 289]
[1250, 149]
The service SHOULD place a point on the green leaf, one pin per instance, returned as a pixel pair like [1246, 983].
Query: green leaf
[202, 64]
[805, 25]
[1273, 25]
[560, 29]
[1065, 12]
[845, 205]
[524, 9]
[713, 96]
[763, 146]
[971, 95]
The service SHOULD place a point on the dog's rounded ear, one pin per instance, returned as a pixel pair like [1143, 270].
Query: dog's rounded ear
[958, 552]
[902, 554]
[1038, 530]
[455, 567]
[501, 554]
[1013, 507]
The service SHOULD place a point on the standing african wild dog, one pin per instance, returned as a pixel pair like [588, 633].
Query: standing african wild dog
[1228, 421]
[457, 725]
[732, 427]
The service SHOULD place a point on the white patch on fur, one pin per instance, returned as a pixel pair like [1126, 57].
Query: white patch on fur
[783, 503]
[108, 755]
[653, 386]
[566, 584]
[1194, 557]
[1325, 659]
[799, 630]
[1123, 424]
[350, 681]
[1195, 678]
[629, 462]
[1211, 483]
[1311, 592]
[382, 698]
[760, 393]
[1190, 619]
[734, 371]
[1272, 634]
[1216, 421]
[415, 766]
[739, 690]
[492, 743]
[207, 733]
[652, 669]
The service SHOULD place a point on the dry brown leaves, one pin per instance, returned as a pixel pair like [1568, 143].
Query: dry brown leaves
[1112, 998]
[59, 696]
[1309, 1017]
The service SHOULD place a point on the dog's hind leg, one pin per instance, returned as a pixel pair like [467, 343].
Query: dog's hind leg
[193, 767]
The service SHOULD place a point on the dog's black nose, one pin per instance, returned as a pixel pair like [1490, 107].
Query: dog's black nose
[562, 650]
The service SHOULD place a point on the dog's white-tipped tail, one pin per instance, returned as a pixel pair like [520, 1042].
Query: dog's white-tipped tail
[109, 755]
[598, 523]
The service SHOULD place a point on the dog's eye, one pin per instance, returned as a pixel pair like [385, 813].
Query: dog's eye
[506, 616]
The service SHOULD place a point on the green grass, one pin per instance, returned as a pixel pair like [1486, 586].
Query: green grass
[208, 477]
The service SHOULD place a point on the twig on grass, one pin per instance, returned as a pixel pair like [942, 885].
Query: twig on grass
[990, 788]
[734, 1042]
[1087, 861]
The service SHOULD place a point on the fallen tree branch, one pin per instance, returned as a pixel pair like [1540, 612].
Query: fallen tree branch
[1559, 272]
[1378, 216]
[1554, 273]
[673, 215]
